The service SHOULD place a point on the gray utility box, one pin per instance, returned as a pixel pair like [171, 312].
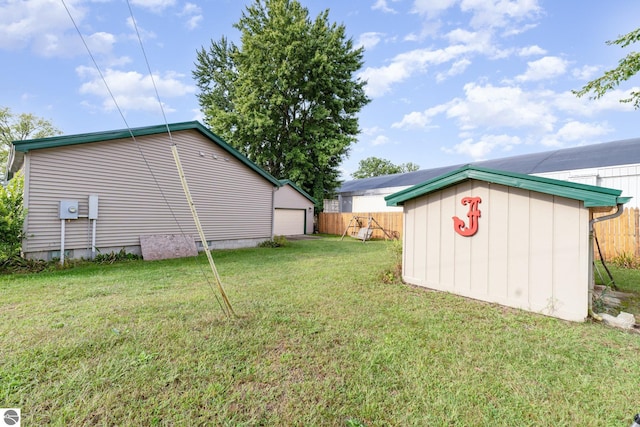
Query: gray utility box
[68, 209]
[93, 207]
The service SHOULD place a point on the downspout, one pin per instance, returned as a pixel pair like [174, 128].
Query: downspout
[616, 214]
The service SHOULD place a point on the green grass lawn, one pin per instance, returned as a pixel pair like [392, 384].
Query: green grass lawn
[320, 340]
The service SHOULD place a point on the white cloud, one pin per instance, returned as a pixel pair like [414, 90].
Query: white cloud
[369, 40]
[421, 119]
[380, 140]
[502, 107]
[478, 150]
[574, 132]
[154, 5]
[101, 42]
[144, 34]
[193, 13]
[375, 136]
[475, 41]
[190, 9]
[532, 51]
[411, 37]
[45, 27]
[432, 8]
[544, 68]
[500, 13]
[569, 103]
[406, 64]
[382, 6]
[194, 22]
[132, 90]
[457, 68]
[518, 29]
[579, 131]
[510, 108]
[585, 73]
[372, 130]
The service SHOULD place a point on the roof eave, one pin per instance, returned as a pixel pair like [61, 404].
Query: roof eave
[59, 141]
[591, 196]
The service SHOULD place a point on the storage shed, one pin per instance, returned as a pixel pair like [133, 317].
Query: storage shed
[513, 239]
[124, 185]
[293, 210]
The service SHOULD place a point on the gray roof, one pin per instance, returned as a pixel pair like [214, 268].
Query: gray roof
[589, 156]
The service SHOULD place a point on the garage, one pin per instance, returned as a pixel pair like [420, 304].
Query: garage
[293, 210]
[289, 222]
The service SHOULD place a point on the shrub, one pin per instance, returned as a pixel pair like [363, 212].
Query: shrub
[626, 260]
[12, 216]
[112, 257]
[394, 274]
[17, 264]
[276, 242]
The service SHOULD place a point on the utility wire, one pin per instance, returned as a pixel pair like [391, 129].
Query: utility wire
[153, 80]
[227, 310]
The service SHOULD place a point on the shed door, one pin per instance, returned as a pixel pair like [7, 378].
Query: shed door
[289, 222]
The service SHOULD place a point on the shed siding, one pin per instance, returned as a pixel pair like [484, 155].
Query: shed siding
[287, 197]
[233, 202]
[530, 251]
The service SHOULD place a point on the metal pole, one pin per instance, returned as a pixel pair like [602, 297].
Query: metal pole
[62, 221]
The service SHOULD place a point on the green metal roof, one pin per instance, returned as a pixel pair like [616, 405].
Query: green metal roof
[59, 141]
[284, 182]
[591, 195]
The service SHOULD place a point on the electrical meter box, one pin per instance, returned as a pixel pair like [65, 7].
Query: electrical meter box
[68, 209]
[93, 207]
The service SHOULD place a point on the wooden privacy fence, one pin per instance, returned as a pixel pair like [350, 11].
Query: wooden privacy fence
[616, 236]
[336, 223]
[620, 235]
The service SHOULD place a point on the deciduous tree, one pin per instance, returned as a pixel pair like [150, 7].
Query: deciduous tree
[287, 97]
[18, 127]
[12, 213]
[375, 166]
[627, 67]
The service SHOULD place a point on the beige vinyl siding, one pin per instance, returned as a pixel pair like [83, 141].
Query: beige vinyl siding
[144, 195]
[530, 251]
[287, 197]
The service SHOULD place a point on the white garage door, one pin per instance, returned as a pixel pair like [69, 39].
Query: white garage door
[288, 222]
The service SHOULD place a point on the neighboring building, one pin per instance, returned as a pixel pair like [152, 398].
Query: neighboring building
[125, 183]
[513, 239]
[293, 210]
[612, 164]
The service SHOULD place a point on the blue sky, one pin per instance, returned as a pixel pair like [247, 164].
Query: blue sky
[451, 81]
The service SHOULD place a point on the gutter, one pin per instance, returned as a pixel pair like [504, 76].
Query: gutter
[616, 214]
